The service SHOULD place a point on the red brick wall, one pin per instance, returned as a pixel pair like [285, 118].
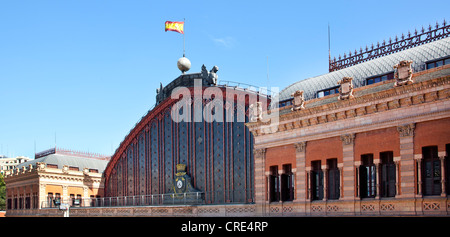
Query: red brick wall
[432, 133]
[374, 142]
[279, 156]
[324, 149]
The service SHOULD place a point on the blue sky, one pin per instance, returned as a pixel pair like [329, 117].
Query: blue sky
[87, 70]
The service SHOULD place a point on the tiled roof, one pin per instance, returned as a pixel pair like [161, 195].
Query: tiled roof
[360, 72]
[60, 160]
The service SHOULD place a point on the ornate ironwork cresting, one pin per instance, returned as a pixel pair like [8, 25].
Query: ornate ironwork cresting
[392, 46]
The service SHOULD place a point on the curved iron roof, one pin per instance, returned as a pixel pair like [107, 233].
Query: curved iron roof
[360, 72]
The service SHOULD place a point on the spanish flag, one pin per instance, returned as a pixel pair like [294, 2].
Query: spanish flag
[176, 26]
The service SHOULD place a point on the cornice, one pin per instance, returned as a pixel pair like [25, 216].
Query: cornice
[390, 99]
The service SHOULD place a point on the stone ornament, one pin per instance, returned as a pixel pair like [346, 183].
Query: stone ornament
[65, 169]
[299, 101]
[259, 153]
[300, 146]
[346, 88]
[183, 64]
[210, 78]
[347, 139]
[40, 166]
[255, 112]
[403, 73]
[406, 130]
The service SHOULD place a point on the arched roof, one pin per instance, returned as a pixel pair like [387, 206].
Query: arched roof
[360, 72]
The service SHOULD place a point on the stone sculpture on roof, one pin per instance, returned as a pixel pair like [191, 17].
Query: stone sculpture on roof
[255, 112]
[209, 78]
[346, 88]
[403, 73]
[299, 101]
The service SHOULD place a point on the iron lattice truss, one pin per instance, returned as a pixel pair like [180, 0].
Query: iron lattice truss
[392, 46]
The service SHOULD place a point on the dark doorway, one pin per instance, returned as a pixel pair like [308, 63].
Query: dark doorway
[431, 171]
[287, 183]
[316, 181]
[333, 184]
[367, 176]
[387, 173]
[274, 191]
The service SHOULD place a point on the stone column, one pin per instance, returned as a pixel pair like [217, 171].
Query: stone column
[442, 159]
[377, 178]
[300, 179]
[260, 180]
[308, 183]
[341, 180]
[397, 176]
[325, 181]
[65, 194]
[348, 169]
[407, 173]
[357, 184]
[418, 160]
[42, 196]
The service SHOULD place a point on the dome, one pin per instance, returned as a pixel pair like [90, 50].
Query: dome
[184, 64]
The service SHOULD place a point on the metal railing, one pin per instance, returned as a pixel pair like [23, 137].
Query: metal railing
[190, 198]
[139, 200]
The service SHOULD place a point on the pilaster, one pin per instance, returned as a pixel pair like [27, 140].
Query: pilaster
[407, 164]
[348, 169]
[260, 180]
[300, 182]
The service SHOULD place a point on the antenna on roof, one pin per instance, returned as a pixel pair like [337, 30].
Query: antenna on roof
[267, 61]
[329, 44]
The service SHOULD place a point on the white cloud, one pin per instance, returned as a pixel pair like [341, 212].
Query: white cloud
[228, 41]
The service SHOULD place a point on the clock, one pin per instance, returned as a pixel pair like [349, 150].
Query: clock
[179, 183]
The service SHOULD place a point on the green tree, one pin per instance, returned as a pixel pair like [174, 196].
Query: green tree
[2, 193]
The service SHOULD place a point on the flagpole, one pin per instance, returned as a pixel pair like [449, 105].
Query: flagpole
[184, 20]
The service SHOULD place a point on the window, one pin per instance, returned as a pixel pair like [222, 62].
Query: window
[376, 79]
[387, 172]
[431, 171]
[333, 184]
[367, 177]
[329, 91]
[20, 201]
[74, 168]
[287, 183]
[284, 103]
[27, 202]
[9, 205]
[52, 166]
[438, 63]
[274, 192]
[316, 181]
[50, 199]
[58, 198]
[35, 200]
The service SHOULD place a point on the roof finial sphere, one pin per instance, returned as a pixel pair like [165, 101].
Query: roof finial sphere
[184, 64]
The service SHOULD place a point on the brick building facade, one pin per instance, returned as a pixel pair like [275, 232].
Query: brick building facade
[71, 177]
[383, 150]
[369, 138]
